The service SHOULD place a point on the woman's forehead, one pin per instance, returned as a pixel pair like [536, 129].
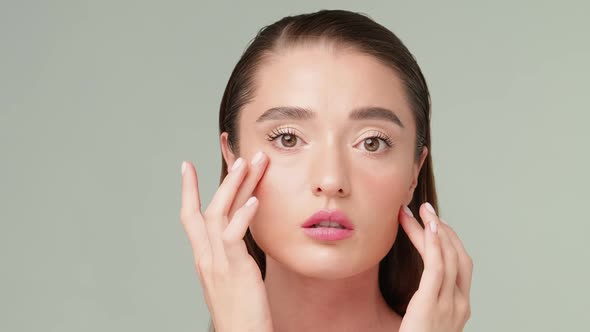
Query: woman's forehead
[326, 81]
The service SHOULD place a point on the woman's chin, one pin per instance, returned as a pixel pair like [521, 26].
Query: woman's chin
[322, 263]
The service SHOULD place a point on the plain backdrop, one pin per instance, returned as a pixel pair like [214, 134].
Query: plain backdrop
[100, 101]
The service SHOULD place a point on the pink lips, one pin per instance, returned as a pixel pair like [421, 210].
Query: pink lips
[328, 233]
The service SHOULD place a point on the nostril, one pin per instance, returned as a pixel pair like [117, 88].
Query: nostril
[329, 191]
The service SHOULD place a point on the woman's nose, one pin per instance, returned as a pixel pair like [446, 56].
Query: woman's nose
[330, 190]
[330, 176]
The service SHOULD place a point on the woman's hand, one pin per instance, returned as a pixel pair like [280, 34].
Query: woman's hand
[230, 278]
[441, 302]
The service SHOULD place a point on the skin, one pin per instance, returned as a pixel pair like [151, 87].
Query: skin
[329, 162]
[334, 285]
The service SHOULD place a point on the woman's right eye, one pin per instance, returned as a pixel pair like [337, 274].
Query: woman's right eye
[288, 140]
[286, 137]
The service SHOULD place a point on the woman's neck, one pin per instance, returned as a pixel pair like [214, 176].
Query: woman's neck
[299, 303]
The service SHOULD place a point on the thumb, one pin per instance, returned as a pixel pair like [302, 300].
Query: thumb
[413, 229]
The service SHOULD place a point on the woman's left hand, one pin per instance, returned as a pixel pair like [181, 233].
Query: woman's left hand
[441, 303]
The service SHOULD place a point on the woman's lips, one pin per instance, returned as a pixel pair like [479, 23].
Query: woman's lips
[327, 233]
[329, 215]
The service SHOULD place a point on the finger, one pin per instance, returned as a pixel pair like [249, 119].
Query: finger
[449, 254]
[433, 274]
[413, 229]
[465, 264]
[233, 235]
[190, 211]
[225, 194]
[255, 172]
[216, 213]
[450, 259]
[190, 202]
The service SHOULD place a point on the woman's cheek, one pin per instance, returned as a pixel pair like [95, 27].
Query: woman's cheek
[386, 193]
[278, 204]
[390, 195]
[272, 183]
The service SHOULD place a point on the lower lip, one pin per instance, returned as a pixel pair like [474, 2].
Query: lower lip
[328, 233]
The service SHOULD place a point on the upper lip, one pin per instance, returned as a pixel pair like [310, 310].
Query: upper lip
[328, 215]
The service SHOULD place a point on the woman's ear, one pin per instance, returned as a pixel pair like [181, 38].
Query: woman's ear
[415, 174]
[228, 155]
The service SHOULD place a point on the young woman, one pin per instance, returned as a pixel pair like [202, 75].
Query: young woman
[325, 140]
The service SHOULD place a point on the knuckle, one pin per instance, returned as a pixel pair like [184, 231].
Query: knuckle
[437, 268]
[210, 214]
[462, 306]
[186, 215]
[226, 238]
[204, 263]
[204, 267]
[470, 262]
[465, 310]
[445, 307]
[220, 271]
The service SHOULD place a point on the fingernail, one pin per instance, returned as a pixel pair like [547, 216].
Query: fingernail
[433, 226]
[236, 164]
[251, 201]
[408, 211]
[183, 167]
[257, 158]
[430, 208]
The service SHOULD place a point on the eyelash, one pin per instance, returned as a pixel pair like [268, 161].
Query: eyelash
[278, 132]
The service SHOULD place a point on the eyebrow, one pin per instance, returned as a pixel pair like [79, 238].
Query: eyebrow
[299, 113]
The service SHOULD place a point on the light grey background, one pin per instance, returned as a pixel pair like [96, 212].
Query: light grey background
[101, 101]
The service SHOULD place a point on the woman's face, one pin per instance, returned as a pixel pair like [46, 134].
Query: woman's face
[328, 159]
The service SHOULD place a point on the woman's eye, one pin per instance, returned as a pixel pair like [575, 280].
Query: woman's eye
[376, 144]
[371, 144]
[288, 140]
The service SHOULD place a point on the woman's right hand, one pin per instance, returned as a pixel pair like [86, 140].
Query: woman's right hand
[230, 278]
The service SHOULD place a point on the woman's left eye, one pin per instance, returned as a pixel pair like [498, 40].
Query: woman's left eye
[376, 144]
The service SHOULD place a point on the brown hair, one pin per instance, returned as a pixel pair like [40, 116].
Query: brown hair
[401, 269]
